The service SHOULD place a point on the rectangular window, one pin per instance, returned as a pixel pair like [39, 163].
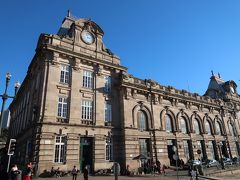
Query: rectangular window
[186, 149]
[108, 112]
[107, 83]
[144, 143]
[65, 74]
[109, 153]
[62, 107]
[87, 110]
[87, 79]
[211, 154]
[60, 149]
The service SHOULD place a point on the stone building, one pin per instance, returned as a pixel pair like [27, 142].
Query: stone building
[79, 106]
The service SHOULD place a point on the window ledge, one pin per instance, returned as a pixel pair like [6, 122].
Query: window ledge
[87, 122]
[62, 120]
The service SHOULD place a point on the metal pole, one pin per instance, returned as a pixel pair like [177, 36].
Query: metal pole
[9, 159]
[4, 98]
[177, 167]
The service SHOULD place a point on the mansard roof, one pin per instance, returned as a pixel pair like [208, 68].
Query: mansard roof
[219, 89]
[82, 22]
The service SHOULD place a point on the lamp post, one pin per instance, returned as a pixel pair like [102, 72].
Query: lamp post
[220, 152]
[5, 96]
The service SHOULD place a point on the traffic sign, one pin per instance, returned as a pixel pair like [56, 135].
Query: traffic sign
[11, 146]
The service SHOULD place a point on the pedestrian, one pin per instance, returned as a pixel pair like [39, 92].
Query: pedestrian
[193, 173]
[28, 172]
[74, 173]
[14, 172]
[158, 163]
[163, 170]
[85, 173]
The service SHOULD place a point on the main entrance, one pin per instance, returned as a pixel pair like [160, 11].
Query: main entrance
[86, 153]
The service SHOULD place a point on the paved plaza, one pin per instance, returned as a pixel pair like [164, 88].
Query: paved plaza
[147, 177]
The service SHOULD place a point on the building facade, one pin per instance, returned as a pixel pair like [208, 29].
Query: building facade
[79, 106]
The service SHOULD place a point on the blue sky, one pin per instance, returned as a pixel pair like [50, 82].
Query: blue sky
[174, 42]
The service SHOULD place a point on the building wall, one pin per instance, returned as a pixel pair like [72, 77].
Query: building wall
[34, 113]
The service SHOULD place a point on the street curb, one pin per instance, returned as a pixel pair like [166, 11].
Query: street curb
[211, 178]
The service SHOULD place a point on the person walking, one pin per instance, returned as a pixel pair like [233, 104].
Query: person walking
[14, 172]
[74, 173]
[28, 172]
[85, 173]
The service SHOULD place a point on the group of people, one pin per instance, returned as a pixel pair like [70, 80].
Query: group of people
[15, 172]
[58, 173]
[152, 167]
[75, 172]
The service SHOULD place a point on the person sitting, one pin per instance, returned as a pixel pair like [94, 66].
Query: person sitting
[52, 172]
[58, 172]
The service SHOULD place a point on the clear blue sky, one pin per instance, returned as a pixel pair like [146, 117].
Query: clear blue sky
[174, 42]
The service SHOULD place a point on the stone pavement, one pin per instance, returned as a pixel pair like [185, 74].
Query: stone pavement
[142, 177]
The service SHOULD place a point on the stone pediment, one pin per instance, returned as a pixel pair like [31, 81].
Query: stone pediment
[87, 23]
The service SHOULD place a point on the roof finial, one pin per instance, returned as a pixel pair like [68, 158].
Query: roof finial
[212, 72]
[68, 13]
[219, 75]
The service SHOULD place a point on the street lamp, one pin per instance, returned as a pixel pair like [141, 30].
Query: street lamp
[220, 152]
[5, 96]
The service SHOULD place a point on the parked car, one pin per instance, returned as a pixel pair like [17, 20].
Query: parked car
[212, 163]
[236, 160]
[191, 163]
[227, 161]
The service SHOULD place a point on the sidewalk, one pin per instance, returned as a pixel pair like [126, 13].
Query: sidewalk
[135, 177]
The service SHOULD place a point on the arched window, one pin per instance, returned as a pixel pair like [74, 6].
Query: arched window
[196, 126]
[142, 121]
[208, 128]
[218, 129]
[168, 123]
[232, 129]
[183, 125]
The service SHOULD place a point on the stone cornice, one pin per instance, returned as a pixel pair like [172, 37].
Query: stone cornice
[169, 92]
[85, 57]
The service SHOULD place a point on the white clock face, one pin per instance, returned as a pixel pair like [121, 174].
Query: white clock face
[87, 37]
